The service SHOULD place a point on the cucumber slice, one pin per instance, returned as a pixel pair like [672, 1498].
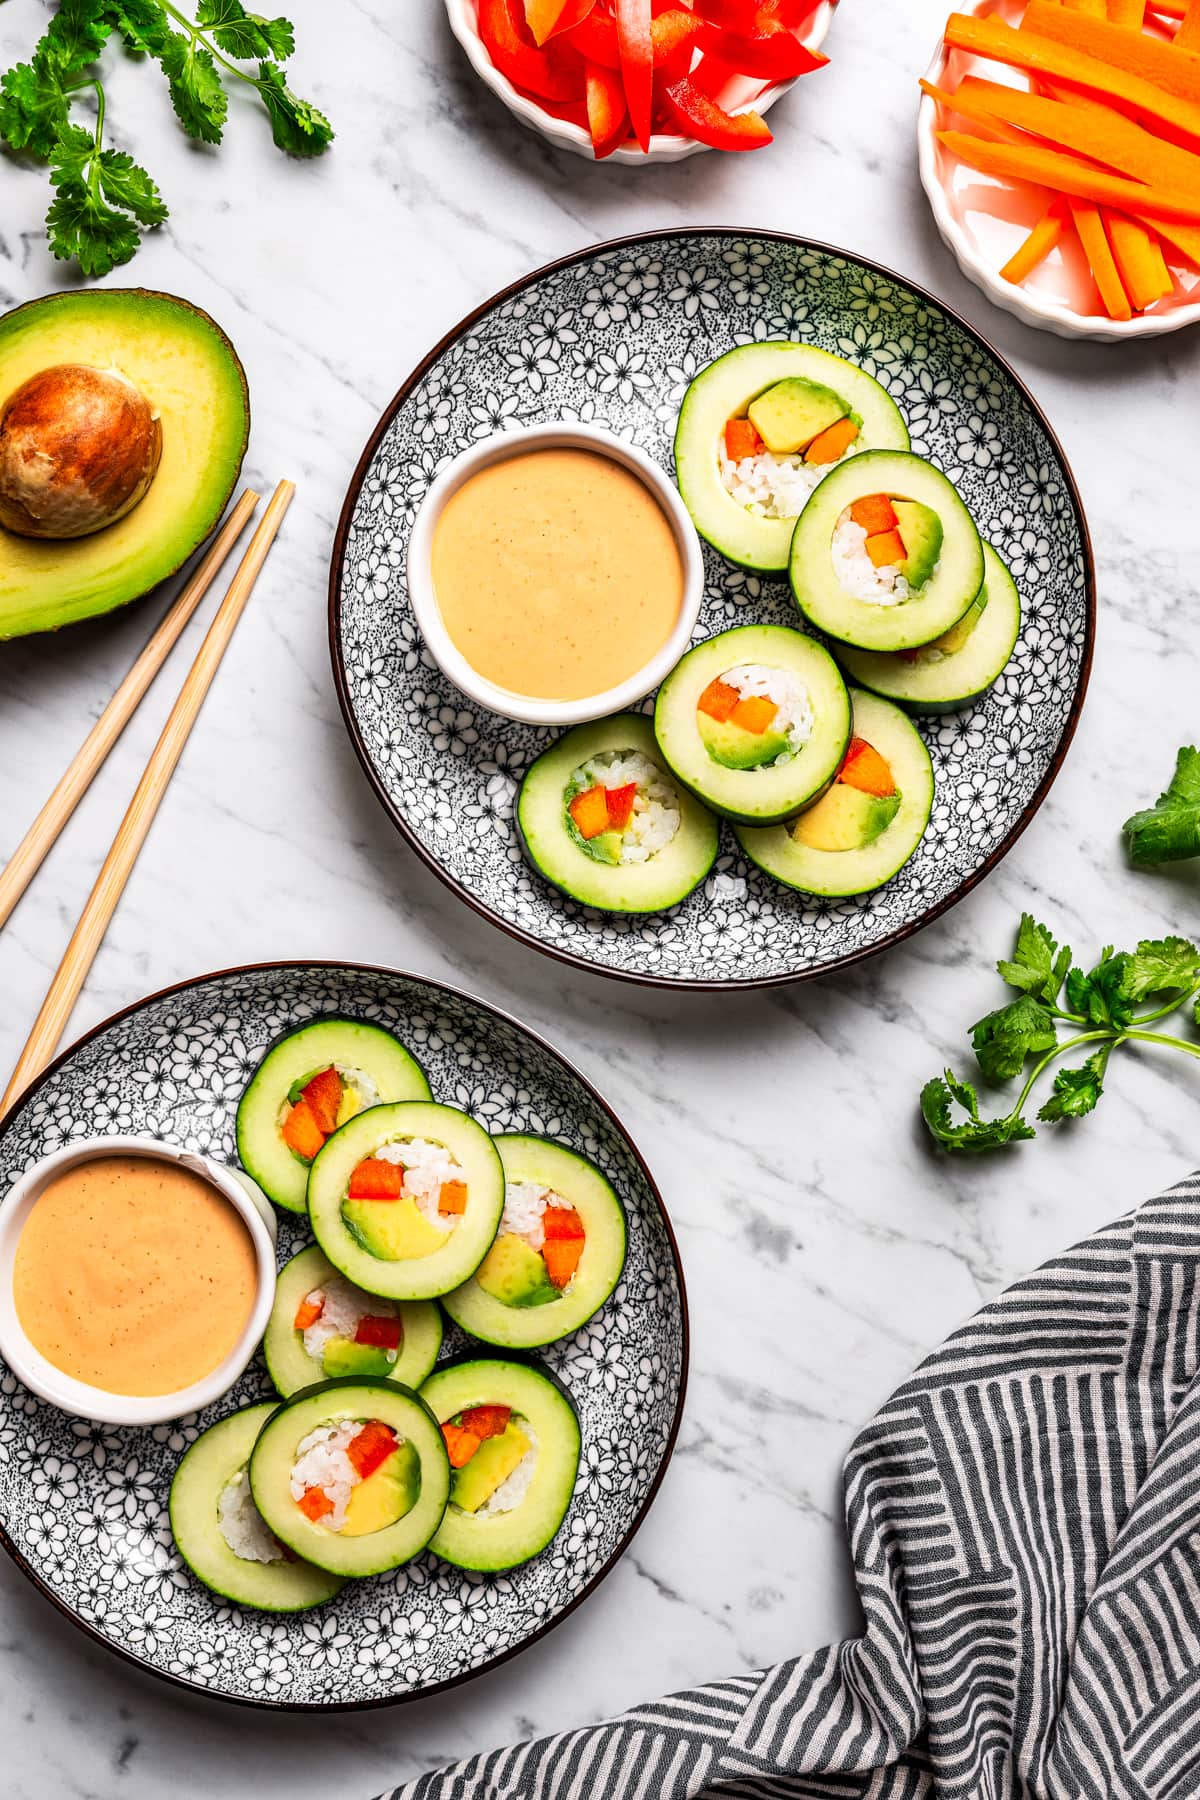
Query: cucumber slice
[761, 795]
[330, 1403]
[856, 871]
[205, 1471]
[948, 674]
[933, 608]
[723, 391]
[391, 1071]
[529, 1318]
[412, 1259]
[288, 1362]
[665, 878]
[490, 1540]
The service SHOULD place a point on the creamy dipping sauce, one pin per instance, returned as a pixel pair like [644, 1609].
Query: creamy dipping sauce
[557, 573]
[134, 1275]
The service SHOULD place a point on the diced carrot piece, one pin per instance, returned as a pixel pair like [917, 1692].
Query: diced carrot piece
[562, 1259]
[718, 700]
[590, 812]
[754, 713]
[620, 805]
[875, 513]
[866, 770]
[375, 1179]
[301, 1132]
[833, 442]
[1139, 259]
[315, 1503]
[371, 1447]
[742, 440]
[561, 1223]
[1098, 251]
[324, 1095]
[460, 1445]
[487, 1421]
[381, 1331]
[1038, 245]
[885, 548]
[453, 1197]
[308, 1312]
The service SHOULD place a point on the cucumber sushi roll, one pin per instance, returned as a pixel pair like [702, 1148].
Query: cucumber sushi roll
[307, 1086]
[352, 1475]
[513, 1442]
[871, 820]
[957, 667]
[759, 429]
[602, 819]
[222, 1536]
[755, 722]
[558, 1254]
[405, 1199]
[886, 556]
[321, 1326]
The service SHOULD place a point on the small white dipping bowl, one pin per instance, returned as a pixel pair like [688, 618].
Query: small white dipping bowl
[531, 709]
[78, 1397]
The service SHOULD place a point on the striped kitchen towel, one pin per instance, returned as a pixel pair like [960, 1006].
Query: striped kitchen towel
[1024, 1516]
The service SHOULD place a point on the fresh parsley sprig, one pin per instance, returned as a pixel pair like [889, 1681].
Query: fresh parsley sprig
[1168, 831]
[1114, 1003]
[103, 200]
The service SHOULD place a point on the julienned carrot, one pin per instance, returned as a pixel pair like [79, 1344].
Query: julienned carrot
[1084, 125]
[1067, 175]
[1044, 56]
[1139, 259]
[1128, 13]
[1135, 52]
[1098, 251]
[1038, 245]
[1183, 241]
[1096, 8]
[979, 111]
[1188, 35]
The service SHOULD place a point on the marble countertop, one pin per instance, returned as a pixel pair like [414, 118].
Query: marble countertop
[826, 1249]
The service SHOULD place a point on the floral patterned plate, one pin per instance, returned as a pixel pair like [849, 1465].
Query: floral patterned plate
[83, 1508]
[614, 335]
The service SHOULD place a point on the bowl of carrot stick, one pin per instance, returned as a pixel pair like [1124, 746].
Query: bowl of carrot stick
[1059, 145]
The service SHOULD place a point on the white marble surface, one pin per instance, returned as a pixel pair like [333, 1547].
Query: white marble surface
[825, 1248]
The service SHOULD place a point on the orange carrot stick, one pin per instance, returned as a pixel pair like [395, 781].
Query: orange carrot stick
[1139, 259]
[1098, 251]
[1188, 35]
[1067, 175]
[1038, 245]
[1096, 8]
[1127, 13]
[1183, 241]
[1134, 52]
[1084, 125]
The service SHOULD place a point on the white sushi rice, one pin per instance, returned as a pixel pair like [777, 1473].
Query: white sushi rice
[656, 815]
[857, 574]
[427, 1168]
[322, 1462]
[513, 1489]
[243, 1526]
[343, 1307]
[775, 487]
[793, 708]
[525, 1206]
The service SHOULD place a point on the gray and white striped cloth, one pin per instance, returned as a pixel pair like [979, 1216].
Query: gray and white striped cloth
[1024, 1516]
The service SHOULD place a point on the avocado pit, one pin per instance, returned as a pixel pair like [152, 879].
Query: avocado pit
[79, 447]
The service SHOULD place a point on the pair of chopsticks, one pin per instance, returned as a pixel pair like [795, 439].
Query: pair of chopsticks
[94, 920]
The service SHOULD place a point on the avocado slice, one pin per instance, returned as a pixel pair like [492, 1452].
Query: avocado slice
[386, 1495]
[736, 748]
[514, 1274]
[473, 1485]
[793, 412]
[395, 1230]
[921, 529]
[342, 1356]
[845, 819]
[956, 639]
[187, 369]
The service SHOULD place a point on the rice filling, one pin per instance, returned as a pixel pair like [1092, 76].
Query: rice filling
[655, 818]
[775, 487]
[343, 1307]
[858, 576]
[242, 1525]
[427, 1168]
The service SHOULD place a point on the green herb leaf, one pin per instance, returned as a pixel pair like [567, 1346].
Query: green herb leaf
[245, 34]
[973, 1133]
[1161, 966]
[1076, 1091]
[1038, 966]
[124, 183]
[75, 36]
[296, 125]
[196, 93]
[1005, 1038]
[1169, 830]
[142, 24]
[82, 225]
[34, 106]
[72, 155]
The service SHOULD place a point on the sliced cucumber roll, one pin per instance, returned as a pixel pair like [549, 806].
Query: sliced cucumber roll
[558, 1254]
[222, 1536]
[601, 818]
[308, 1085]
[755, 722]
[513, 1440]
[322, 1326]
[957, 667]
[886, 555]
[352, 1475]
[405, 1200]
[871, 820]
[758, 430]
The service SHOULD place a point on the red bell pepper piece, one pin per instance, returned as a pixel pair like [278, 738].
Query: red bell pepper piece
[608, 116]
[589, 809]
[768, 49]
[308, 1312]
[371, 1448]
[673, 35]
[636, 47]
[375, 1179]
[541, 16]
[700, 117]
[487, 1421]
[380, 1331]
[460, 1445]
[718, 700]
[301, 1132]
[711, 74]
[620, 806]
[324, 1095]
[548, 74]
[595, 39]
[314, 1503]
[744, 15]
[573, 13]
[561, 1223]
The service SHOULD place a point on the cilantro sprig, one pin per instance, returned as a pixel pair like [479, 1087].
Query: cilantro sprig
[103, 200]
[1168, 831]
[1115, 1003]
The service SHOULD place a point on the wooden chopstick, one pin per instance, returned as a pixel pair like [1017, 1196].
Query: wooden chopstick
[27, 858]
[88, 935]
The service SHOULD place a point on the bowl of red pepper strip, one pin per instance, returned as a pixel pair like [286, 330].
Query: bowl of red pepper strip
[643, 80]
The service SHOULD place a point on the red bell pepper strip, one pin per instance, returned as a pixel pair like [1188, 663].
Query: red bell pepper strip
[700, 117]
[608, 116]
[620, 805]
[380, 1331]
[541, 16]
[374, 1178]
[487, 1421]
[673, 36]
[768, 50]
[636, 47]
[711, 74]
[324, 1095]
[370, 1449]
[540, 72]
[573, 14]
[595, 39]
[560, 1223]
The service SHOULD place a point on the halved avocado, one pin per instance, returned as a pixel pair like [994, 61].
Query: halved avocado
[180, 360]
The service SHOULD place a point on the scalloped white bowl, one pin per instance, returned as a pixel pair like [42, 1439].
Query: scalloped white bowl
[738, 95]
[1059, 296]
